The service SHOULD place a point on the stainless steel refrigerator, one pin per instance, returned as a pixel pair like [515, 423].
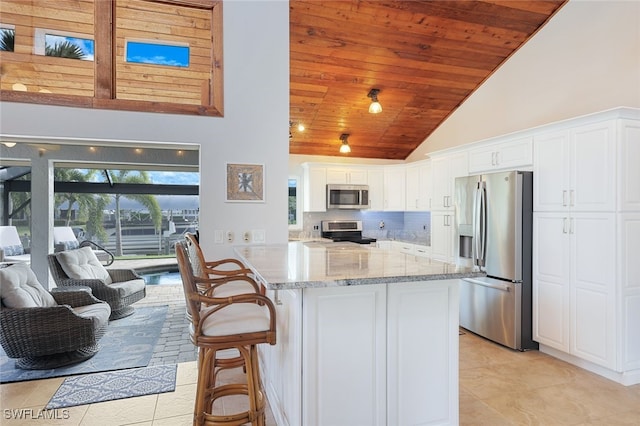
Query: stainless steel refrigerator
[494, 224]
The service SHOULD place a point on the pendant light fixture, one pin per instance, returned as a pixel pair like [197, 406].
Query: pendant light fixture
[345, 148]
[375, 106]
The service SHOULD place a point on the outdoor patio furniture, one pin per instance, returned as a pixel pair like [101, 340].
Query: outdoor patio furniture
[65, 239]
[11, 245]
[239, 322]
[80, 267]
[47, 330]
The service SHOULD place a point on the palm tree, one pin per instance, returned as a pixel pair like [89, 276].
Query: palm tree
[149, 201]
[90, 206]
[7, 40]
[64, 49]
[85, 202]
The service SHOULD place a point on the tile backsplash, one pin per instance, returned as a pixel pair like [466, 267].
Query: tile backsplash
[406, 226]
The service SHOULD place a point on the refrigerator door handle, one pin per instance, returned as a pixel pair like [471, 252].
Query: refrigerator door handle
[480, 222]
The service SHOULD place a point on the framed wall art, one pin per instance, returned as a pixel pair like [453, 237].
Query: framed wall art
[245, 182]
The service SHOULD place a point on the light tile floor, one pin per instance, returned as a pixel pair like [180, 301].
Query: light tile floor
[497, 387]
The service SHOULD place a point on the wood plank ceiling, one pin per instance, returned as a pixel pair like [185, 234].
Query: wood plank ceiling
[425, 57]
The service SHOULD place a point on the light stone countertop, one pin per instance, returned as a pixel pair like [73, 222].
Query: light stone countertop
[327, 264]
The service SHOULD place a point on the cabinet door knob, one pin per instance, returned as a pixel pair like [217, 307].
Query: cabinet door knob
[565, 222]
[564, 198]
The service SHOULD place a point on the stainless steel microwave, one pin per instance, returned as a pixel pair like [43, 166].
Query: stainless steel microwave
[347, 196]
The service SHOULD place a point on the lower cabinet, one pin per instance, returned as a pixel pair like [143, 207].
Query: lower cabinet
[442, 244]
[364, 355]
[281, 363]
[574, 285]
[586, 291]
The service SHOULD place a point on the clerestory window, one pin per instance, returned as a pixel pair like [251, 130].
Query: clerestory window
[139, 55]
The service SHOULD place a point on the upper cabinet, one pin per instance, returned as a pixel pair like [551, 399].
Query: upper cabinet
[394, 184]
[347, 175]
[575, 168]
[315, 188]
[375, 177]
[418, 186]
[629, 154]
[444, 170]
[510, 154]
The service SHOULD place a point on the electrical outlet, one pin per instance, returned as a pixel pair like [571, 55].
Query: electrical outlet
[230, 236]
[246, 236]
[316, 227]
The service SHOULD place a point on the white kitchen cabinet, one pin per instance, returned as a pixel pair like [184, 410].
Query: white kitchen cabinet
[629, 171]
[442, 244]
[511, 154]
[574, 284]
[375, 177]
[315, 188]
[347, 175]
[444, 170]
[384, 244]
[415, 395]
[403, 247]
[575, 168]
[394, 188]
[629, 287]
[586, 303]
[353, 345]
[422, 250]
[282, 362]
[382, 342]
[418, 186]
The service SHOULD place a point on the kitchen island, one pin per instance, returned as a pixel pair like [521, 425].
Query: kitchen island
[366, 336]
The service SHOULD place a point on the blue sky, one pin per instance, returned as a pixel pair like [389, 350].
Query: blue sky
[166, 178]
[139, 52]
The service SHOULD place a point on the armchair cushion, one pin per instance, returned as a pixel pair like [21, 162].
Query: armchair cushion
[83, 264]
[20, 288]
[15, 250]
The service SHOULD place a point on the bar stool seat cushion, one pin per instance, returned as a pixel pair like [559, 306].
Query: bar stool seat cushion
[235, 319]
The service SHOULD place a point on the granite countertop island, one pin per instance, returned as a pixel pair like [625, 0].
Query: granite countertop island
[310, 264]
[365, 335]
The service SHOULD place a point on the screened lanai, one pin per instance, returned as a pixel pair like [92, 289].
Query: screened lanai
[37, 176]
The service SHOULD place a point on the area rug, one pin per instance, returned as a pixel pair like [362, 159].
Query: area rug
[128, 343]
[100, 387]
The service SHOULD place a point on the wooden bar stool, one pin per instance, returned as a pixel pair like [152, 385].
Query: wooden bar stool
[239, 322]
[219, 284]
[213, 267]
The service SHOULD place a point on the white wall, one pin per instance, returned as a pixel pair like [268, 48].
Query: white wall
[254, 128]
[586, 59]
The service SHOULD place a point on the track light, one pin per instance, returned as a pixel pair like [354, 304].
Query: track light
[345, 148]
[375, 106]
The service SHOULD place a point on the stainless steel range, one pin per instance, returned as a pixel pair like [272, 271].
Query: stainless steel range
[345, 230]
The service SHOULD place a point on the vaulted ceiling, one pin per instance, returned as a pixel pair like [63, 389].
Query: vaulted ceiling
[425, 57]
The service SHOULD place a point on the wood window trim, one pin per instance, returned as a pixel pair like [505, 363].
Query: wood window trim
[105, 81]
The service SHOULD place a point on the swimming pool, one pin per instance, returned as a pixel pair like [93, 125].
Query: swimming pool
[166, 277]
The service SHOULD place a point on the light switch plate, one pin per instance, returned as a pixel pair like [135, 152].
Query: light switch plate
[258, 235]
[218, 237]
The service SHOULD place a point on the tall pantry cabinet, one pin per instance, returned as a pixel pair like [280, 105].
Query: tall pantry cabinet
[586, 231]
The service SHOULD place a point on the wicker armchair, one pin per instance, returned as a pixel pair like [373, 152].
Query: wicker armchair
[47, 330]
[118, 287]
